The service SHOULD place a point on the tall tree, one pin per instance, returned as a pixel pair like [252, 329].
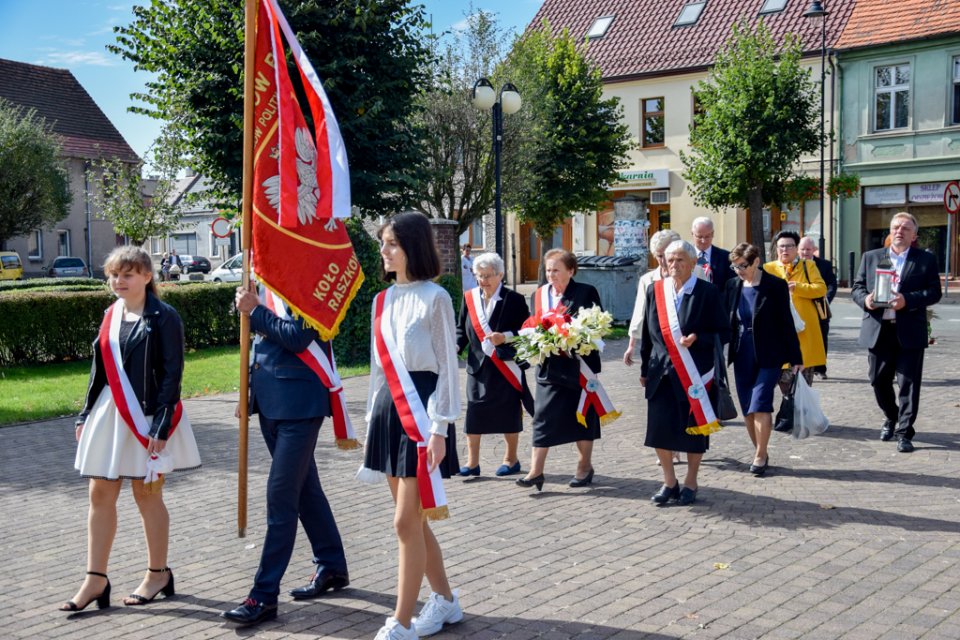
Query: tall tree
[369, 54]
[34, 186]
[759, 115]
[455, 137]
[138, 208]
[567, 142]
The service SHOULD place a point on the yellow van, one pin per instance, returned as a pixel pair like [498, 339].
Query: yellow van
[11, 268]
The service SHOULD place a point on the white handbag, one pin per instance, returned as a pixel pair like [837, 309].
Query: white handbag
[798, 322]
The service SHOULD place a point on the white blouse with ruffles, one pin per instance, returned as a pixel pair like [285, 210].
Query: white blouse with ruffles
[421, 315]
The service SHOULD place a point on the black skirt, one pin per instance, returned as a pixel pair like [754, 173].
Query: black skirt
[668, 416]
[389, 449]
[558, 395]
[493, 405]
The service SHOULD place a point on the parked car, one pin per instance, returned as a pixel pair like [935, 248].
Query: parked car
[11, 267]
[229, 271]
[68, 267]
[194, 264]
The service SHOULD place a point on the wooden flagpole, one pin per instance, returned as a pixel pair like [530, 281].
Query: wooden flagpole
[246, 236]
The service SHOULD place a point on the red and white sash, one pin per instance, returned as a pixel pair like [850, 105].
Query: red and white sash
[413, 415]
[128, 406]
[326, 369]
[481, 327]
[693, 382]
[592, 392]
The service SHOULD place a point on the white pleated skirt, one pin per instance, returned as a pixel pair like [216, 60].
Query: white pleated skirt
[108, 449]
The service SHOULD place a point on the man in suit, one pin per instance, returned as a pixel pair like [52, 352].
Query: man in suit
[807, 250]
[897, 336]
[292, 403]
[714, 261]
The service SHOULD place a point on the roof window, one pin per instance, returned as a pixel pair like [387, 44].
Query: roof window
[600, 26]
[690, 14]
[773, 6]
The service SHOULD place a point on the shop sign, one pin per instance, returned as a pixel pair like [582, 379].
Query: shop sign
[644, 179]
[931, 193]
[892, 194]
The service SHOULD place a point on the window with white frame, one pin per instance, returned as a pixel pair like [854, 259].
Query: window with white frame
[773, 6]
[892, 97]
[474, 235]
[63, 242]
[35, 245]
[156, 245]
[956, 91]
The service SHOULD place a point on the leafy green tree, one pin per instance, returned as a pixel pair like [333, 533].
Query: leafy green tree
[455, 137]
[369, 54]
[567, 143]
[759, 117]
[122, 196]
[34, 185]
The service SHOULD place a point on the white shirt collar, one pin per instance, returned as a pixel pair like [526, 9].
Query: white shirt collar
[685, 289]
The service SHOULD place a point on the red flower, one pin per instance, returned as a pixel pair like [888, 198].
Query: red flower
[531, 323]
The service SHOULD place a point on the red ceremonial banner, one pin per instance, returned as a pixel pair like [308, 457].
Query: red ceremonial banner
[301, 250]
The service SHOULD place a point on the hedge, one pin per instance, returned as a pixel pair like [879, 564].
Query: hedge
[42, 326]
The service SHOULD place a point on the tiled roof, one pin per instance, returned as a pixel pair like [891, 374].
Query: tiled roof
[643, 41]
[56, 95]
[876, 22]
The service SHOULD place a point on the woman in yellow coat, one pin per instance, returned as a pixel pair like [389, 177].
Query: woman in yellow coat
[806, 284]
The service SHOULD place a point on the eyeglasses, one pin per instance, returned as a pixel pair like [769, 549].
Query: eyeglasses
[739, 267]
[786, 247]
[485, 276]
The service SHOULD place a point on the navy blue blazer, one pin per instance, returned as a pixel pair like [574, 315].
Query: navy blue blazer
[720, 267]
[282, 387]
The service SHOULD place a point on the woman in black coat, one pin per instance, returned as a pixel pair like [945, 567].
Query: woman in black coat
[493, 400]
[763, 341]
[701, 320]
[558, 378]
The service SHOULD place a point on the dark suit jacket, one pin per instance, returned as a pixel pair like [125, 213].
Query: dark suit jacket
[775, 341]
[509, 314]
[825, 267]
[720, 267]
[282, 387]
[560, 369]
[701, 312]
[920, 287]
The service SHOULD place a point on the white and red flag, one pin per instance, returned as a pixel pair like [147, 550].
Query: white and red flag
[301, 190]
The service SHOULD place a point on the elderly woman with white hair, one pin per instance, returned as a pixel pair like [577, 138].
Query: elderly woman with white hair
[491, 315]
[684, 317]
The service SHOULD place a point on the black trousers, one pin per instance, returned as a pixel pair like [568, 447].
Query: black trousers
[824, 331]
[888, 359]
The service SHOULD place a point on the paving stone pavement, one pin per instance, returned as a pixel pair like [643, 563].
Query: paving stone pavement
[844, 538]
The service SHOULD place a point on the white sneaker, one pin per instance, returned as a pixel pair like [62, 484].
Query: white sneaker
[437, 612]
[393, 630]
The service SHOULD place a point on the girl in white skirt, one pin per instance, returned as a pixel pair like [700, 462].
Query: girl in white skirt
[132, 425]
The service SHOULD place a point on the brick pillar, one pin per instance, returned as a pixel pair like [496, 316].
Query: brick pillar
[448, 245]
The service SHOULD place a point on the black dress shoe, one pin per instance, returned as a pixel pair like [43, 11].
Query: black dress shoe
[251, 612]
[905, 445]
[536, 481]
[582, 482]
[760, 469]
[667, 494]
[687, 496]
[886, 431]
[323, 580]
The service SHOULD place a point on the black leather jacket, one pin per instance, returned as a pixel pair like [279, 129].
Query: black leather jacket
[153, 360]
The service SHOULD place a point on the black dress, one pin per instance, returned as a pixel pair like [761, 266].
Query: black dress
[493, 404]
[558, 384]
[702, 311]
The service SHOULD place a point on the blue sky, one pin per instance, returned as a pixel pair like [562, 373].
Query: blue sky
[72, 34]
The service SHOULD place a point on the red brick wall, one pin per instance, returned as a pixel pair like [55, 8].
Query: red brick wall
[445, 232]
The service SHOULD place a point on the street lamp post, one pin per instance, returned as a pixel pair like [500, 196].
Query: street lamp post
[817, 13]
[507, 101]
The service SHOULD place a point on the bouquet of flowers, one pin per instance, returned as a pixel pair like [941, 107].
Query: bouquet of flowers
[557, 332]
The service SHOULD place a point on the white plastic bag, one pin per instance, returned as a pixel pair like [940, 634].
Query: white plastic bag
[798, 322]
[808, 418]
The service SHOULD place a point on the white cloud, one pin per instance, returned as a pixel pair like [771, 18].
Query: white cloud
[79, 59]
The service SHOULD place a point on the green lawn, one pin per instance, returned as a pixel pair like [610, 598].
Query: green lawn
[48, 391]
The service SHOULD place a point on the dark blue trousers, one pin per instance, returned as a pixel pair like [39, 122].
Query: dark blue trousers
[294, 492]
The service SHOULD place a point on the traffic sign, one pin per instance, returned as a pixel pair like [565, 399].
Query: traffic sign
[221, 227]
[951, 197]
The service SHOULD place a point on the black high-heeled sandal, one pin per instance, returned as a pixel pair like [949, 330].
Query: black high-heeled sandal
[536, 481]
[167, 590]
[102, 600]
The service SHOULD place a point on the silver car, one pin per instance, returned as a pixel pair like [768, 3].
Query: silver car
[229, 271]
[68, 267]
